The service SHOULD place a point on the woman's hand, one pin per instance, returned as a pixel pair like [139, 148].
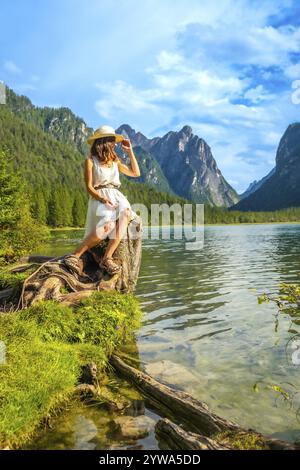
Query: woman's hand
[134, 170]
[107, 202]
[126, 145]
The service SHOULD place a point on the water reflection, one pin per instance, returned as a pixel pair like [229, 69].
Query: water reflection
[208, 302]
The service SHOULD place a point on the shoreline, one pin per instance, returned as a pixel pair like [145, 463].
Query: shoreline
[57, 229]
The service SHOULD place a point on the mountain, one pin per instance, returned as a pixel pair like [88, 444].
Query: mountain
[67, 128]
[179, 162]
[53, 170]
[282, 189]
[61, 123]
[256, 184]
[188, 164]
[151, 173]
[137, 138]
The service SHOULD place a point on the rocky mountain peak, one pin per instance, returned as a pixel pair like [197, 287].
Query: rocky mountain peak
[190, 168]
[280, 188]
[136, 138]
[127, 131]
[186, 131]
[289, 146]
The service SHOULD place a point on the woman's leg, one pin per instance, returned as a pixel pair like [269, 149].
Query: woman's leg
[118, 233]
[93, 238]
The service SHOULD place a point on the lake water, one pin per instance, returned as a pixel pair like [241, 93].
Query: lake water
[204, 331]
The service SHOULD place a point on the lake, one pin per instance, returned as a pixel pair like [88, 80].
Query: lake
[204, 331]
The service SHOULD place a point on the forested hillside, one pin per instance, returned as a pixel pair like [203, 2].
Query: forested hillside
[54, 173]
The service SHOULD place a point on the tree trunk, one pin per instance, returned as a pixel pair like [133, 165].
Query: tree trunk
[53, 280]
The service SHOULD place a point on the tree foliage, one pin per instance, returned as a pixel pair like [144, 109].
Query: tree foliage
[19, 232]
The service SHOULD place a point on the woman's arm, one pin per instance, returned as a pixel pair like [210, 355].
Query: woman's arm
[134, 171]
[88, 178]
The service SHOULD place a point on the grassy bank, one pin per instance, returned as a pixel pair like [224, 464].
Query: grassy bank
[46, 344]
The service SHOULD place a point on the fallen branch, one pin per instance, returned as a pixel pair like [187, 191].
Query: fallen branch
[177, 438]
[174, 402]
[193, 414]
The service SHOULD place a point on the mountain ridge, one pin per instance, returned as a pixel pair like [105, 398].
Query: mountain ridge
[282, 189]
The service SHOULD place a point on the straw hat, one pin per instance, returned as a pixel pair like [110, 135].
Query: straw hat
[104, 131]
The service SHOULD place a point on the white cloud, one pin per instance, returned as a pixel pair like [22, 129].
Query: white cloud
[293, 71]
[121, 102]
[11, 67]
[160, 65]
[167, 60]
[258, 94]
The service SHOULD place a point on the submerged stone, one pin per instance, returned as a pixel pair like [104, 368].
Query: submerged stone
[134, 427]
[171, 373]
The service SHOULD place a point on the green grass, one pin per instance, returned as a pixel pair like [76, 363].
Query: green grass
[14, 280]
[46, 344]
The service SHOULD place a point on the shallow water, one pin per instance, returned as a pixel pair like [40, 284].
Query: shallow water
[203, 329]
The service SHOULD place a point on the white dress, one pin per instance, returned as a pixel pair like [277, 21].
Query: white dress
[99, 213]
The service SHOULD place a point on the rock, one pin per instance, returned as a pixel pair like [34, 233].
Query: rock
[171, 373]
[85, 431]
[131, 427]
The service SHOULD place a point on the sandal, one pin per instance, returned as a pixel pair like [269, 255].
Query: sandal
[110, 266]
[74, 264]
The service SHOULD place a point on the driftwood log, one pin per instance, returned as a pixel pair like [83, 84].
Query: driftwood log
[177, 438]
[192, 414]
[53, 280]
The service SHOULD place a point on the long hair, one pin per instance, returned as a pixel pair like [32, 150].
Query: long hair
[102, 150]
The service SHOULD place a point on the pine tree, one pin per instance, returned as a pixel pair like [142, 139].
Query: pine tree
[19, 233]
[39, 206]
[79, 209]
[55, 209]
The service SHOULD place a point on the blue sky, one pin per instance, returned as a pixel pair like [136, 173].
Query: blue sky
[224, 67]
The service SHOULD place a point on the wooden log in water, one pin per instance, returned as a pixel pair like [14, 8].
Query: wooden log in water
[180, 404]
[177, 438]
[191, 413]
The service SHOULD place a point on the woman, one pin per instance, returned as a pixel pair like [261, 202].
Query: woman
[109, 211]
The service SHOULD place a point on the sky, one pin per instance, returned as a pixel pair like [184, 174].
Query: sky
[230, 69]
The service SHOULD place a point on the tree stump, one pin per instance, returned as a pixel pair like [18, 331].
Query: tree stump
[53, 280]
